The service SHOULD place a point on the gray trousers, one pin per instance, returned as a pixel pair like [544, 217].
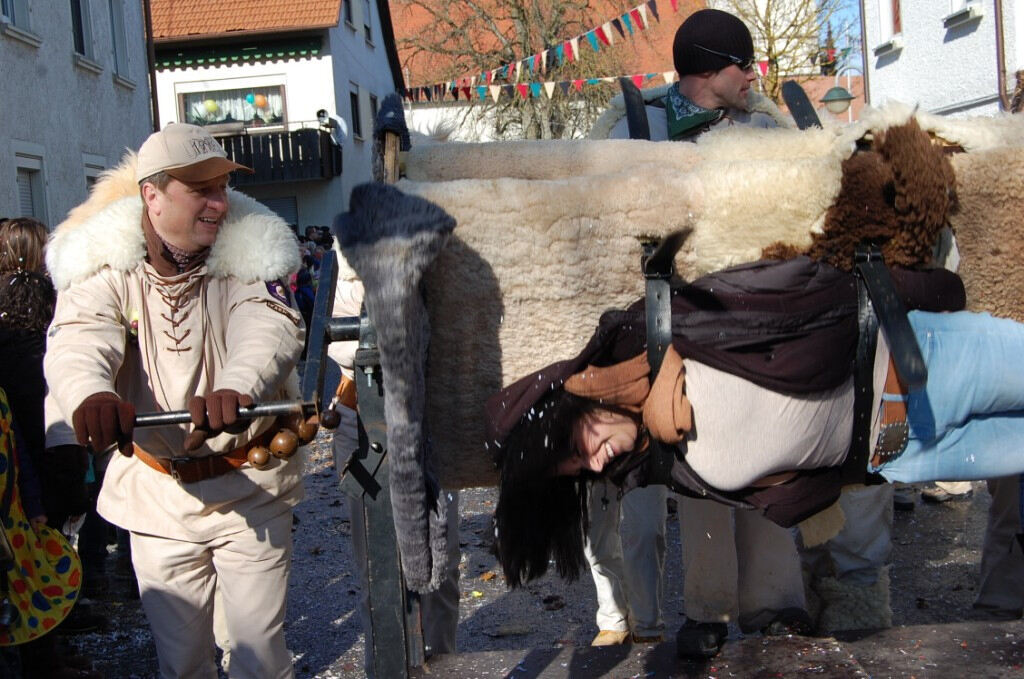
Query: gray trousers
[737, 565]
[1001, 586]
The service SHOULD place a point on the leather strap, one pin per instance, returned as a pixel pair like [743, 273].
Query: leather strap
[893, 429]
[658, 265]
[854, 467]
[194, 469]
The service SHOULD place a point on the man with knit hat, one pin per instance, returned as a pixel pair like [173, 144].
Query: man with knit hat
[713, 54]
[738, 566]
[171, 298]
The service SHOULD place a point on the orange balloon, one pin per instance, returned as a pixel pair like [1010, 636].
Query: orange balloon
[260, 101]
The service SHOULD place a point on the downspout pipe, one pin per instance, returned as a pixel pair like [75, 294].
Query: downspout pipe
[1004, 97]
[864, 56]
[154, 104]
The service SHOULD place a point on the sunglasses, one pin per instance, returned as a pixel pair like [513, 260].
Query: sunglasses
[744, 64]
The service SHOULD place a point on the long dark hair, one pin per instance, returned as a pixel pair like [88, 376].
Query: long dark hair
[541, 516]
[27, 300]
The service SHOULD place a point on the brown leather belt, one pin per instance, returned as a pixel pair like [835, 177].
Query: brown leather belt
[893, 431]
[193, 469]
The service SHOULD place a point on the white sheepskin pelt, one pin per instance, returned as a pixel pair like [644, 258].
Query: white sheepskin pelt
[549, 235]
[105, 231]
[534, 261]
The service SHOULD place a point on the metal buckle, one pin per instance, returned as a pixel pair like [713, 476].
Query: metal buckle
[892, 441]
[173, 463]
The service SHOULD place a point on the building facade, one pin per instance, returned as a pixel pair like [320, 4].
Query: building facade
[257, 75]
[75, 95]
[952, 57]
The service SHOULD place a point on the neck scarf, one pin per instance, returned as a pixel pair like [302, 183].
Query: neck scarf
[667, 413]
[685, 117]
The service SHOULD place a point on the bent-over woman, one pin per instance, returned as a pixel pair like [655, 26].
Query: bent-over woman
[752, 405]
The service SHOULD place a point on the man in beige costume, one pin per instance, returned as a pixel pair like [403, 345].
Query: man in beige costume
[168, 302]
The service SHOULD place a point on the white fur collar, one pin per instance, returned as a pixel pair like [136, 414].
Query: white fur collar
[253, 243]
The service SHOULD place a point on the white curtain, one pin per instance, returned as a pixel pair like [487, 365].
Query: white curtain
[252, 106]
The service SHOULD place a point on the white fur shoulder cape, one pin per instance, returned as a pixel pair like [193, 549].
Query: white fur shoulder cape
[105, 232]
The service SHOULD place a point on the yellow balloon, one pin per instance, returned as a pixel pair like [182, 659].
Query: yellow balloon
[260, 101]
[211, 106]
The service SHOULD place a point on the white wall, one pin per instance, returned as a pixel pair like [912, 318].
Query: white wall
[467, 124]
[69, 114]
[322, 82]
[950, 71]
[362, 61]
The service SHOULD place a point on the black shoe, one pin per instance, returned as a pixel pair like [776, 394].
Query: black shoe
[904, 499]
[789, 621]
[81, 620]
[699, 640]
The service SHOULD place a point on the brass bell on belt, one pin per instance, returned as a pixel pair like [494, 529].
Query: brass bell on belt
[307, 430]
[259, 457]
[284, 444]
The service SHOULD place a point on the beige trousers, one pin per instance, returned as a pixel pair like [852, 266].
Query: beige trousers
[737, 565]
[249, 568]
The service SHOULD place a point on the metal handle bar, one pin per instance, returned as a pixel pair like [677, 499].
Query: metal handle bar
[274, 408]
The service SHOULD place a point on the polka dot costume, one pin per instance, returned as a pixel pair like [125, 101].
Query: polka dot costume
[46, 577]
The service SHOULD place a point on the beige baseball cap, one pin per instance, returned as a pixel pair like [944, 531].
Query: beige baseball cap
[186, 152]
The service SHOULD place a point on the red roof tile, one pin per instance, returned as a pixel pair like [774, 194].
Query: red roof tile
[189, 19]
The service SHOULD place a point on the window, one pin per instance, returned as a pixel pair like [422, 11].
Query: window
[346, 5]
[353, 102]
[890, 24]
[367, 21]
[81, 32]
[31, 193]
[118, 37]
[235, 108]
[374, 107]
[94, 166]
[16, 12]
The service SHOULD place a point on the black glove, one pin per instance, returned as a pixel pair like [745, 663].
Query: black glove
[102, 420]
[216, 413]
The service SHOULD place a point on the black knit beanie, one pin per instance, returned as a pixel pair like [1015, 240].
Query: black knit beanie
[715, 30]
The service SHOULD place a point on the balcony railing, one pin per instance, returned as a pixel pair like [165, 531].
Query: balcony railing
[300, 155]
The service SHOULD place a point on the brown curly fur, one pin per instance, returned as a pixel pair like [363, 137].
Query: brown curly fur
[898, 195]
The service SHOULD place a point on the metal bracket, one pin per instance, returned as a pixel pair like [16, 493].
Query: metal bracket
[394, 637]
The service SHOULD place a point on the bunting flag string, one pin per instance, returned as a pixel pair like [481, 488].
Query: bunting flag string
[567, 51]
[527, 90]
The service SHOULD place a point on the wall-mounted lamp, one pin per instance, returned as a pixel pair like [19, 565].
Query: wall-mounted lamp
[837, 100]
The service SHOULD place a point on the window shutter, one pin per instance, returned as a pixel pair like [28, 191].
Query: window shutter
[26, 205]
[285, 208]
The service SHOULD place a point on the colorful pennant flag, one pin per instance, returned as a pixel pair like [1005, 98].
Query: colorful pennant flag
[653, 6]
[567, 51]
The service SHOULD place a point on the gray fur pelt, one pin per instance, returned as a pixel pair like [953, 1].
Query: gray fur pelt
[390, 239]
